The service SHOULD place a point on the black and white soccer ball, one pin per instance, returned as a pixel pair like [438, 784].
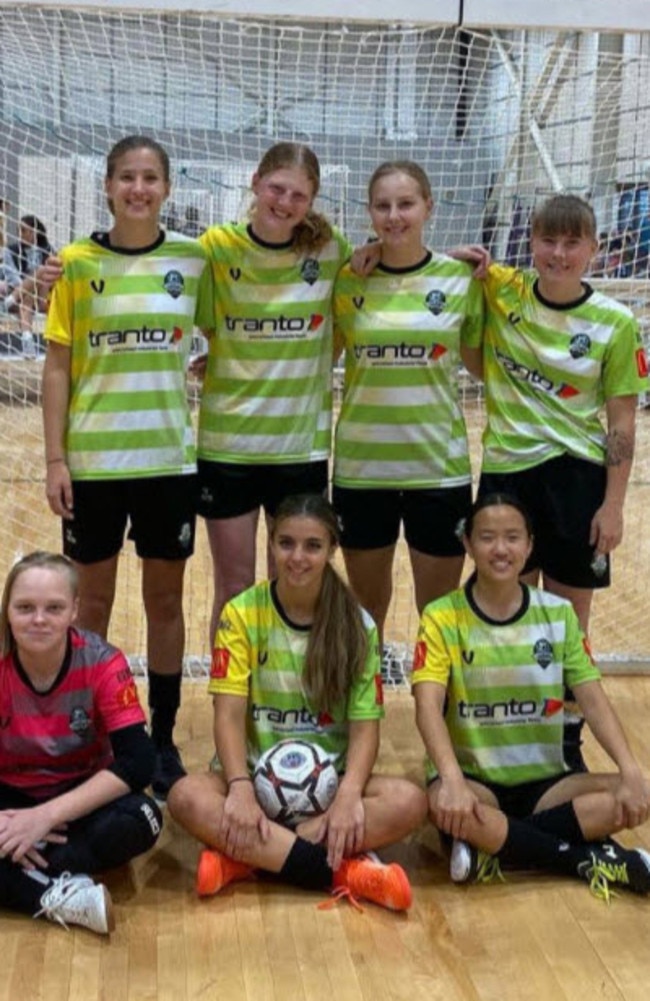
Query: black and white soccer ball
[295, 780]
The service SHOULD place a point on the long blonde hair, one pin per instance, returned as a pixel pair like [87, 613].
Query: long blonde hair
[49, 561]
[338, 641]
[315, 231]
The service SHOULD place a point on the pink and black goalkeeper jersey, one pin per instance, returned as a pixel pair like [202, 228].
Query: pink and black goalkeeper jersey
[51, 741]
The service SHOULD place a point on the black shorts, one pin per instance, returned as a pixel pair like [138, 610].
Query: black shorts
[561, 497]
[230, 489]
[160, 512]
[520, 800]
[370, 519]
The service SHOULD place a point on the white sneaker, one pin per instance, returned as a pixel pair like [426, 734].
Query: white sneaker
[76, 900]
[460, 863]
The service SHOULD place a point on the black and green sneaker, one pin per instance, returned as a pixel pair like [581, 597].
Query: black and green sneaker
[609, 864]
[472, 865]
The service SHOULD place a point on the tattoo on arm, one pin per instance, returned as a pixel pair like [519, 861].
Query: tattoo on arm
[620, 447]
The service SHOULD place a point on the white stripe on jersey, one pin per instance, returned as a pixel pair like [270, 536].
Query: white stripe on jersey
[143, 420]
[138, 463]
[130, 382]
[258, 444]
[413, 434]
[151, 304]
[512, 755]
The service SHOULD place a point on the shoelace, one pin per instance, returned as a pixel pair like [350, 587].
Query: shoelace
[488, 870]
[57, 895]
[602, 875]
[341, 892]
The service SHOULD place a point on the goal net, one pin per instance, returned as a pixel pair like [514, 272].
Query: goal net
[499, 119]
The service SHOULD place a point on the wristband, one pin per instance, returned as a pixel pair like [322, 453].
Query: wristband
[238, 778]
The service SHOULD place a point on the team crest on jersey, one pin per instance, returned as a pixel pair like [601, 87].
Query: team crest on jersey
[174, 283]
[310, 270]
[543, 653]
[99, 286]
[435, 301]
[580, 345]
[79, 720]
[235, 274]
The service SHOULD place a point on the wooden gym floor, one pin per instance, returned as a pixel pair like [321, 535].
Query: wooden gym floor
[530, 939]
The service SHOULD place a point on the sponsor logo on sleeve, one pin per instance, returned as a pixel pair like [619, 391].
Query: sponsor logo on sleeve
[220, 661]
[641, 363]
[420, 655]
[127, 695]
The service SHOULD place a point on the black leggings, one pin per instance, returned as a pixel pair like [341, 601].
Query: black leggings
[106, 838]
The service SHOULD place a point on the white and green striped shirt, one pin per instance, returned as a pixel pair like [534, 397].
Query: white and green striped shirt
[267, 395]
[260, 656]
[550, 369]
[505, 681]
[128, 319]
[401, 424]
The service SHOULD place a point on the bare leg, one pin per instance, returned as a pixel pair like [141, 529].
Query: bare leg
[232, 544]
[96, 594]
[197, 802]
[434, 576]
[592, 797]
[580, 598]
[370, 576]
[393, 808]
[162, 591]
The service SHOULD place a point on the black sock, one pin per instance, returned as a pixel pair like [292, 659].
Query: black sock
[528, 847]
[561, 821]
[164, 700]
[306, 866]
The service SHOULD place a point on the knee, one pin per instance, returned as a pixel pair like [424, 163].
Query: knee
[163, 606]
[183, 801]
[410, 803]
[145, 813]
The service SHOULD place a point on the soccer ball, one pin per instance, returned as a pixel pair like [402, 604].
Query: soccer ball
[294, 780]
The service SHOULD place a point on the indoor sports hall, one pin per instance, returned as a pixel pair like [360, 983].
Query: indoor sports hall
[504, 104]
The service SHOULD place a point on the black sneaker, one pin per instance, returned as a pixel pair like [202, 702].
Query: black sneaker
[168, 769]
[609, 863]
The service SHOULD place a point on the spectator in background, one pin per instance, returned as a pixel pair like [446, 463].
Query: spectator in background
[9, 274]
[192, 226]
[27, 254]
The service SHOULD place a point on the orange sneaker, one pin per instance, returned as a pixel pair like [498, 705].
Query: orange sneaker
[216, 870]
[366, 877]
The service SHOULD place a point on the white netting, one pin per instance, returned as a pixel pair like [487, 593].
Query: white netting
[498, 120]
